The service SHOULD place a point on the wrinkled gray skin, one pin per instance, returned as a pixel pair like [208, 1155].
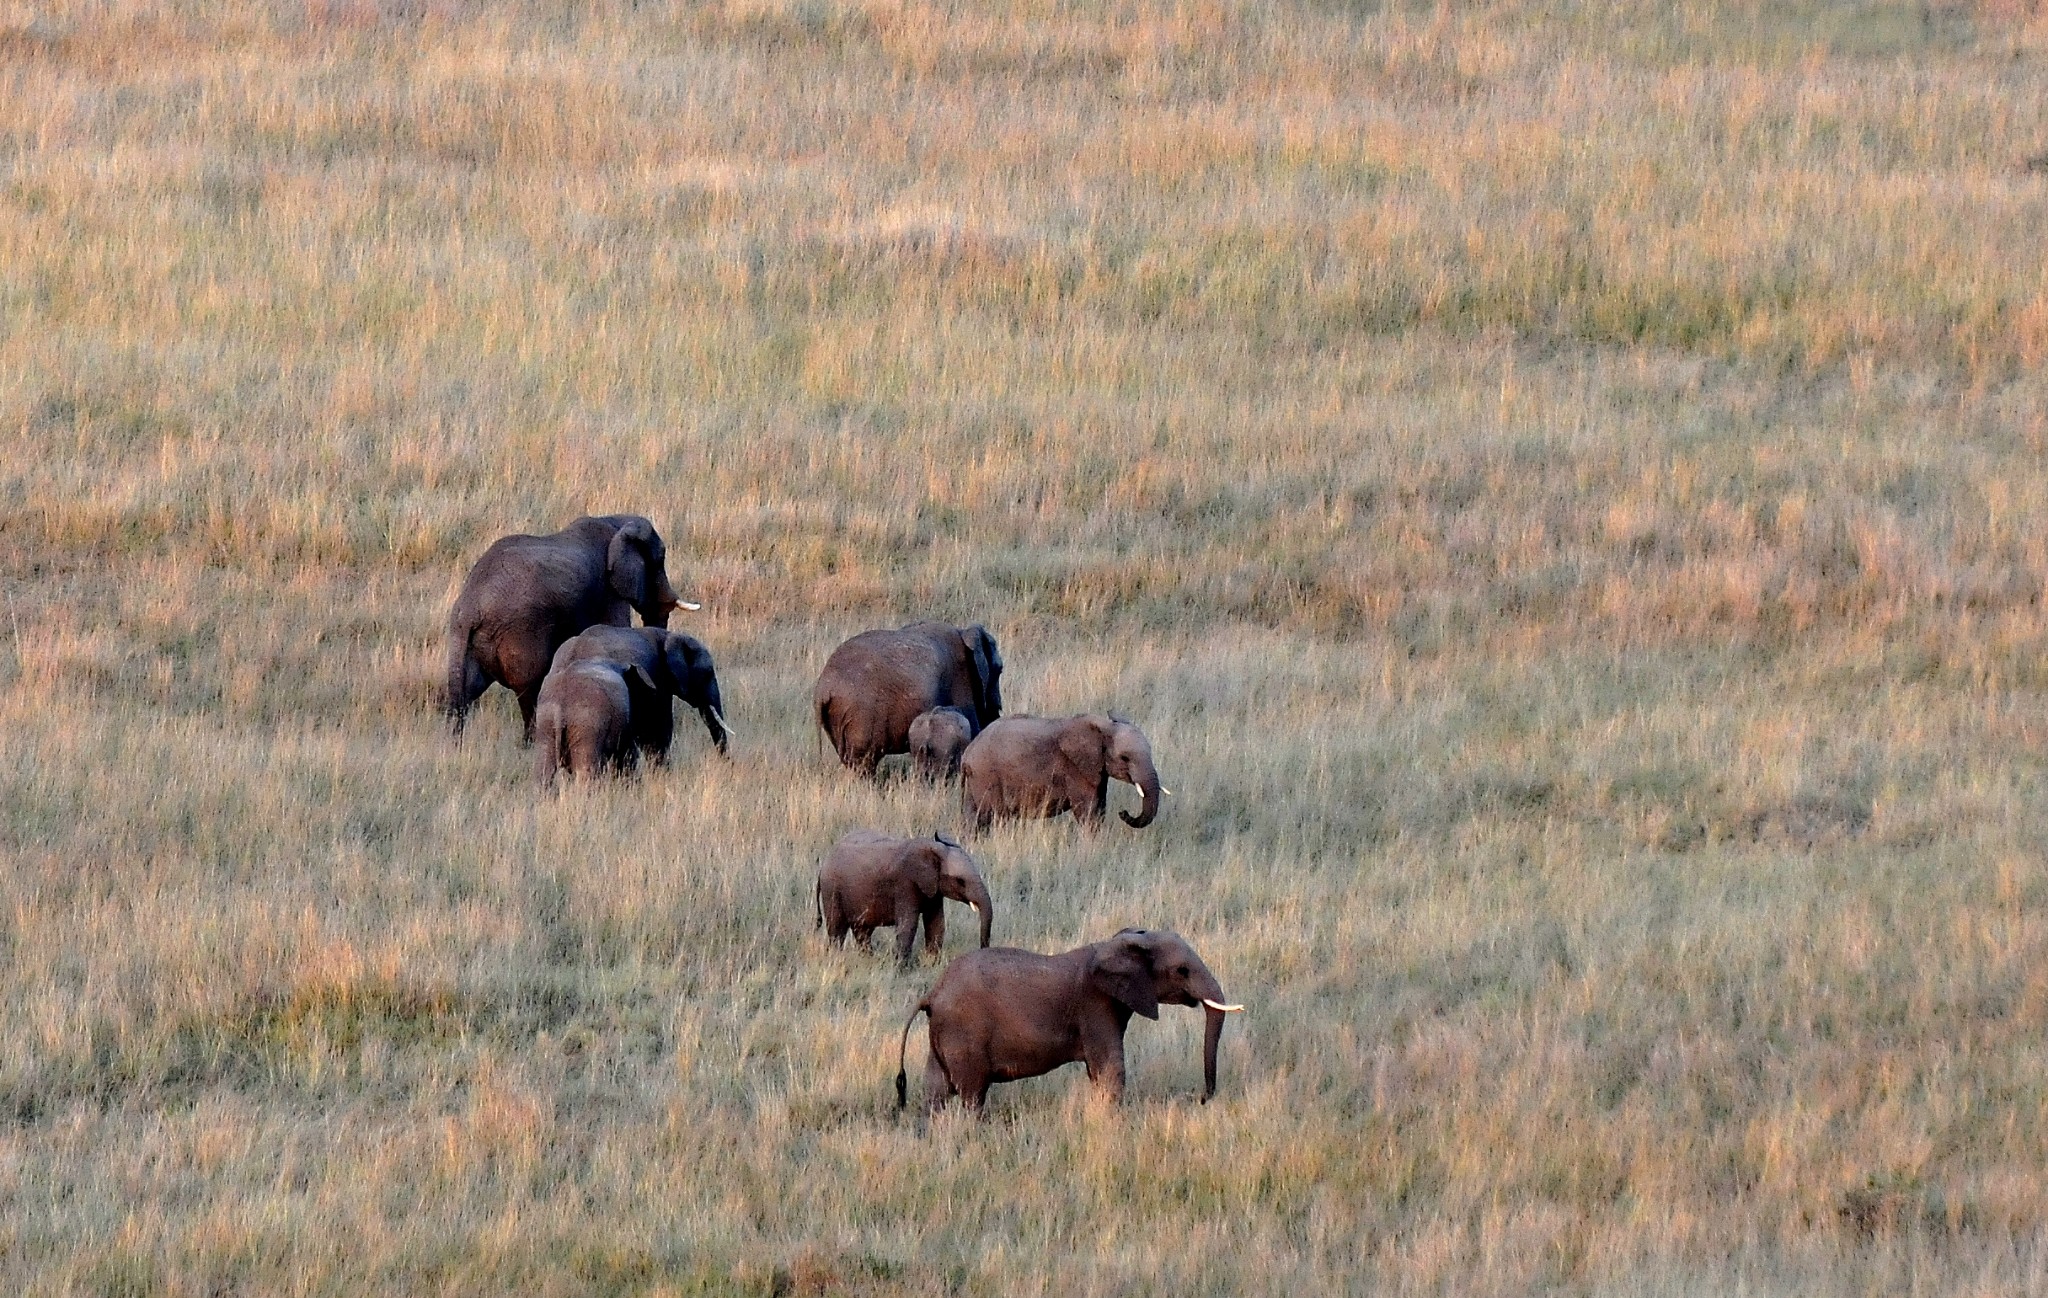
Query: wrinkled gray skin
[582, 721]
[1003, 1014]
[937, 738]
[871, 880]
[680, 667]
[1042, 766]
[528, 594]
[877, 683]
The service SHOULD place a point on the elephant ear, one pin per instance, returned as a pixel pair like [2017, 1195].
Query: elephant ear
[639, 673]
[626, 560]
[988, 664]
[1123, 969]
[1084, 741]
[923, 866]
[686, 659]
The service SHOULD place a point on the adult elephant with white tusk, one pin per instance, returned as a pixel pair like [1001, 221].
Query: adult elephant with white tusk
[1002, 1014]
[528, 594]
[871, 880]
[1043, 766]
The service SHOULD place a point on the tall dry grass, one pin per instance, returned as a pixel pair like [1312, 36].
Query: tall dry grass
[1559, 483]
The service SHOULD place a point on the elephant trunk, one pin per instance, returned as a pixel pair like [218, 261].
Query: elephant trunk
[977, 896]
[1148, 784]
[702, 694]
[1212, 1033]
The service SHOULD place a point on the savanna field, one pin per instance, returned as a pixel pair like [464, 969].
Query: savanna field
[1563, 487]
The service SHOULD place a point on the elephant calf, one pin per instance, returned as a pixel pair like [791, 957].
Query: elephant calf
[680, 667]
[1003, 1014]
[937, 738]
[1043, 766]
[871, 880]
[583, 720]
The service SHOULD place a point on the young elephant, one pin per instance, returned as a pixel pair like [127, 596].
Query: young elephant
[680, 667]
[937, 738]
[1042, 766]
[1002, 1014]
[870, 881]
[582, 721]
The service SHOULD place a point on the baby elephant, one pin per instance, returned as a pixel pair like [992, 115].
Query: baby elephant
[937, 738]
[584, 718]
[872, 881]
[1002, 1014]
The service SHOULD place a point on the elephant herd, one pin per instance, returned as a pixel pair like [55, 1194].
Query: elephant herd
[550, 618]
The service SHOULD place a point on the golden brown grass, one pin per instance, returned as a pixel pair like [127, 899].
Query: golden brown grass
[1560, 484]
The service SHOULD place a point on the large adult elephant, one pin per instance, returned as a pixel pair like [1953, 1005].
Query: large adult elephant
[1043, 766]
[877, 683]
[528, 594]
[1001, 1014]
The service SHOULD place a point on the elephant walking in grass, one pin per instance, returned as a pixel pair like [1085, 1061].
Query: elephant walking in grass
[1003, 1014]
[528, 594]
[877, 683]
[583, 721]
[870, 880]
[1043, 766]
[680, 667]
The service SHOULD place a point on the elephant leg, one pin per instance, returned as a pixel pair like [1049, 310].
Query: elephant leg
[835, 920]
[972, 1083]
[529, 699]
[907, 914]
[1102, 1051]
[864, 934]
[659, 732]
[935, 927]
[938, 1087]
[1093, 803]
[586, 759]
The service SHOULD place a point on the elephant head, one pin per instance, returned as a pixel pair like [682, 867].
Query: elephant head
[958, 879]
[694, 680]
[1127, 756]
[636, 568]
[1143, 969]
[988, 673]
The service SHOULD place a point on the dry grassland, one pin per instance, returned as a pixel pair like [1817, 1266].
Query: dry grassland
[1561, 484]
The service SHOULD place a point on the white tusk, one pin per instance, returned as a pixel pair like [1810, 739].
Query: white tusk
[725, 725]
[690, 605]
[976, 909]
[1225, 1009]
[1168, 792]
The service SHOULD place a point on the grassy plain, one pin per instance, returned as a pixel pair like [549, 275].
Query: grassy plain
[1561, 484]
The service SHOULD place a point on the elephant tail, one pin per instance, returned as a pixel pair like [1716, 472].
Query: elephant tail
[902, 1045]
[818, 900]
[825, 727]
[465, 676]
[551, 743]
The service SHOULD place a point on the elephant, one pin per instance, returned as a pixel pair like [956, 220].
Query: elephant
[584, 718]
[1042, 766]
[877, 683]
[1002, 1014]
[937, 738]
[528, 594]
[679, 665]
[871, 880]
